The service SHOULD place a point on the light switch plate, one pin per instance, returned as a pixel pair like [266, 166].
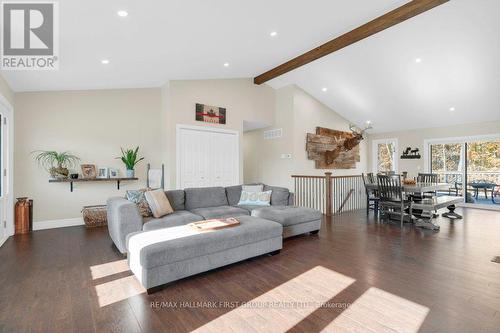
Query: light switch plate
[286, 156]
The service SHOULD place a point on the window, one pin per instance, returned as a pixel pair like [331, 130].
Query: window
[385, 155]
[447, 161]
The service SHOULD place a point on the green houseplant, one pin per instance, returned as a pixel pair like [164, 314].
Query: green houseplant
[57, 164]
[130, 159]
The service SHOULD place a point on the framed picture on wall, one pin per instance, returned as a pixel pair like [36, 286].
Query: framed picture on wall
[102, 172]
[210, 114]
[89, 171]
[114, 173]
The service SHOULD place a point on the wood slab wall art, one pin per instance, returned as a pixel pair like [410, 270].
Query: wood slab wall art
[332, 149]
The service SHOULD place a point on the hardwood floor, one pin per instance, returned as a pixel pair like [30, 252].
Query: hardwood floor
[73, 280]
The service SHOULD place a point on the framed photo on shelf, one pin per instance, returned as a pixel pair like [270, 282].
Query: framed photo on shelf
[89, 171]
[114, 173]
[102, 172]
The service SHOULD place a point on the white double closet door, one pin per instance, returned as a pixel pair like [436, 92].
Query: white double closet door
[207, 157]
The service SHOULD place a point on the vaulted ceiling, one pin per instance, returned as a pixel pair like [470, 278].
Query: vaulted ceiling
[187, 39]
[375, 79]
[437, 69]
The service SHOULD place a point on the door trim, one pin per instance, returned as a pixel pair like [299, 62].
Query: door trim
[10, 195]
[202, 129]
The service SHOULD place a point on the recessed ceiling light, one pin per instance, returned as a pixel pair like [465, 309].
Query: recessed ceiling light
[104, 61]
[122, 13]
[324, 89]
[273, 34]
[418, 60]
[226, 64]
[452, 108]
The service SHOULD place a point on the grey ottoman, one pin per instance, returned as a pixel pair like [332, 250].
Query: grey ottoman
[295, 220]
[161, 256]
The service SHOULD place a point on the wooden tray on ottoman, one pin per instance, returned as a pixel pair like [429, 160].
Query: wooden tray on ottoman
[214, 224]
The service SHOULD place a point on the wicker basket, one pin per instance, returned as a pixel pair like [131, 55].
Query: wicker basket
[95, 216]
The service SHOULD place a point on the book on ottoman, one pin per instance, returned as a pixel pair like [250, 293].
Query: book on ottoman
[214, 224]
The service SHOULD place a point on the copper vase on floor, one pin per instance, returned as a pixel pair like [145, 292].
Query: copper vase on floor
[23, 215]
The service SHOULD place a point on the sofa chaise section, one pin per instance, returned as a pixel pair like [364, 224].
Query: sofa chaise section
[295, 220]
[161, 256]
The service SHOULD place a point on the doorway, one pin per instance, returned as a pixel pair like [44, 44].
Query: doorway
[471, 167]
[6, 201]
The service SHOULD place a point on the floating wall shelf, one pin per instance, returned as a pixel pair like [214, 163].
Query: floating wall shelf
[84, 180]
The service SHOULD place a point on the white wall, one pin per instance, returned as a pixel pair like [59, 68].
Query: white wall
[95, 124]
[242, 99]
[91, 124]
[5, 91]
[297, 113]
[415, 139]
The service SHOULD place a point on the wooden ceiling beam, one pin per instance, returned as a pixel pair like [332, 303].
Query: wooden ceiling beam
[396, 16]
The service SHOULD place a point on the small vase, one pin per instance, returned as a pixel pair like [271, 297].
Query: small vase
[130, 173]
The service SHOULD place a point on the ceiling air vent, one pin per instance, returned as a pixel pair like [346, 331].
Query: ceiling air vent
[273, 134]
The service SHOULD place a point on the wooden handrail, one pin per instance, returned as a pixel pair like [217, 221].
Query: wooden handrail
[351, 191]
[304, 176]
[323, 177]
[350, 176]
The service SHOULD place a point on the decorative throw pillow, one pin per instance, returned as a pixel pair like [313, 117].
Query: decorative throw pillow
[158, 202]
[138, 197]
[252, 188]
[255, 198]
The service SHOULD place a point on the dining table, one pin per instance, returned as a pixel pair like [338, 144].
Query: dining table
[417, 187]
[427, 206]
[483, 185]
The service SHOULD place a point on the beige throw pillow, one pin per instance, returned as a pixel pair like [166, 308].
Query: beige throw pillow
[158, 202]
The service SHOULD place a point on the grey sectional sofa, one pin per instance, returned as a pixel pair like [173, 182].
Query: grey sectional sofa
[196, 204]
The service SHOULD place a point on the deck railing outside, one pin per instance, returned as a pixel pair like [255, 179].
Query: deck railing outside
[330, 194]
[452, 177]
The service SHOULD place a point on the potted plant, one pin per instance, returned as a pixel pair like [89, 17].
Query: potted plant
[130, 159]
[57, 164]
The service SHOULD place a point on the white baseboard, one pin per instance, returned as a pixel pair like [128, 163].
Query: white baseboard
[51, 224]
[2, 240]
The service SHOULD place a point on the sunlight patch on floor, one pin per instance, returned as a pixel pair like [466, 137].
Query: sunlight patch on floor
[107, 269]
[281, 308]
[118, 290]
[379, 311]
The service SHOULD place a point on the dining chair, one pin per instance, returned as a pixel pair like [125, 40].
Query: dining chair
[392, 196]
[428, 178]
[372, 198]
[494, 193]
[371, 178]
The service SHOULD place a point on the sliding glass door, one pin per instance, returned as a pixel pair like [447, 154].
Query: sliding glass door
[447, 160]
[471, 167]
[483, 171]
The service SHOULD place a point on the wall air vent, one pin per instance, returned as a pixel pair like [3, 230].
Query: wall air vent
[273, 134]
